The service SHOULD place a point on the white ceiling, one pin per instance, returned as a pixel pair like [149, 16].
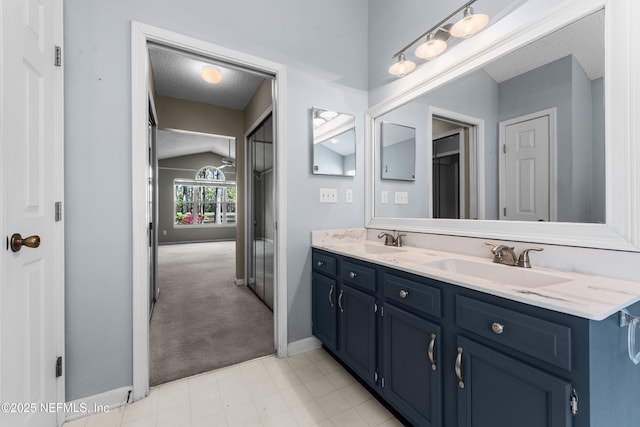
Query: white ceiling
[178, 75]
[584, 39]
[173, 143]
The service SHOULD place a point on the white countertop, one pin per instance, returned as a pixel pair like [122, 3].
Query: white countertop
[582, 295]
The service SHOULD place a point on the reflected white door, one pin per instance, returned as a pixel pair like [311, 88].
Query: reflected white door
[525, 183]
[31, 296]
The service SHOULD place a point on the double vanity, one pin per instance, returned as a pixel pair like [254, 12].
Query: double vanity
[454, 340]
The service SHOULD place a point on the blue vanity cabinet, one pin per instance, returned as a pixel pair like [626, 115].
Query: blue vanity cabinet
[344, 311]
[413, 366]
[498, 391]
[324, 291]
[358, 336]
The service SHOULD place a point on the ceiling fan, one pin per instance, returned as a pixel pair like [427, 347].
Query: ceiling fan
[228, 161]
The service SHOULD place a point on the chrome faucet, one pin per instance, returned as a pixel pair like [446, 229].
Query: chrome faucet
[390, 240]
[503, 254]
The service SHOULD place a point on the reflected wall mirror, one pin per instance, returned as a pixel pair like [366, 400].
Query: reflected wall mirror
[528, 119]
[333, 142]
[397, 152]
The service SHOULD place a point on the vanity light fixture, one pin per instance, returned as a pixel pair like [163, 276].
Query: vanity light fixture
[211, 74]
[436, 38]
[402, 67]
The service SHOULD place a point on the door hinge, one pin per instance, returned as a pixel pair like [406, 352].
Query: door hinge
[58, 211]
[573, 404]
[59, 367]
[504, 211]
[58, 57]
[504, 148]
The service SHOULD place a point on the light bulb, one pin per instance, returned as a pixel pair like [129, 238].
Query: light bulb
[470, 24]
[402, 67]
[211, 74]
[431, 48]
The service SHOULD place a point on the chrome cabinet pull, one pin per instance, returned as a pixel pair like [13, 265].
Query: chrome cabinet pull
[497, 328]
[331, 296]
[352, 275]
[430, 352]
[403, 293]
[340, 300]
[319, 263]
[458, 368]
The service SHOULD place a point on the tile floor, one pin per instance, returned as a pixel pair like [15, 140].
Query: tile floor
[309, 389]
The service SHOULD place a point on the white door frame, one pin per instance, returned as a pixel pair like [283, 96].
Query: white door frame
[476, 150]
[553, 161]
[140, 35]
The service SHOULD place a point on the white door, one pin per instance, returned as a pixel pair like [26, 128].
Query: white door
[525, 182]
[31, 287]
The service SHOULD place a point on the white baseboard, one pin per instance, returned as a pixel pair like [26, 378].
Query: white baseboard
[103, 402]
[240, 282]
[303, 345]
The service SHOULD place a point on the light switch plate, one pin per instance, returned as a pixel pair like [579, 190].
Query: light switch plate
[348, 195]
[384, 197]
[328, 195]
[401, 198]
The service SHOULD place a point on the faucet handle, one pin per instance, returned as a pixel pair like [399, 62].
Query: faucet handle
[399, 240]
[523, 259]
[493, 245]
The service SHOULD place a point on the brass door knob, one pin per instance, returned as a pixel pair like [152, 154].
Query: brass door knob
[17, 242]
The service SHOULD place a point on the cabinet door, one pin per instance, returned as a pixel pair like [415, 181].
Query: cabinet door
[357, 317]
[412, 366]
[323, 300]
[495, 390]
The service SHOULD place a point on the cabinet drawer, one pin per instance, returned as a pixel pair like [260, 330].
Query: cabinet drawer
[539, 338]
[415, 295]
[359, 276]
[324, 263]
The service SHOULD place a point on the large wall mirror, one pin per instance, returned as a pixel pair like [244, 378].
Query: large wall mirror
[334, 143]
[512, 144]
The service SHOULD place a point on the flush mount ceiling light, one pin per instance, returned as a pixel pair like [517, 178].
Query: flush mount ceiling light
[436, 38]
[211, 74]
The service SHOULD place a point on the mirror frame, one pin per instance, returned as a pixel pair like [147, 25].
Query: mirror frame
[622, 130]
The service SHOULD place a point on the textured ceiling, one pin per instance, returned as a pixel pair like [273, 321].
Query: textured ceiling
[178, 75]
[172, 143]
[584, 39]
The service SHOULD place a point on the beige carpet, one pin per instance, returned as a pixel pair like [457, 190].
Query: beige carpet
[202, 320]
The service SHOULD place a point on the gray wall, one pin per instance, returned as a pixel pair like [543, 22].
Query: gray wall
[564, 85]
[474, 95]
[98, 152]
[186, 167]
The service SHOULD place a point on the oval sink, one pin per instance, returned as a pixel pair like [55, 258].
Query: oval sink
[497, 273]
[371, 248]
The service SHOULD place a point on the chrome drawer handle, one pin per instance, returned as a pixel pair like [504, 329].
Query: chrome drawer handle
[319, 263]
[352, 275]
[458, 368]
[497, 328]
[340, 300]
[403, 293]
[331, 296]
[430, 352]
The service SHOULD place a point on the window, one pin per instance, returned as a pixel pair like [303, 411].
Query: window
[206, 200]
